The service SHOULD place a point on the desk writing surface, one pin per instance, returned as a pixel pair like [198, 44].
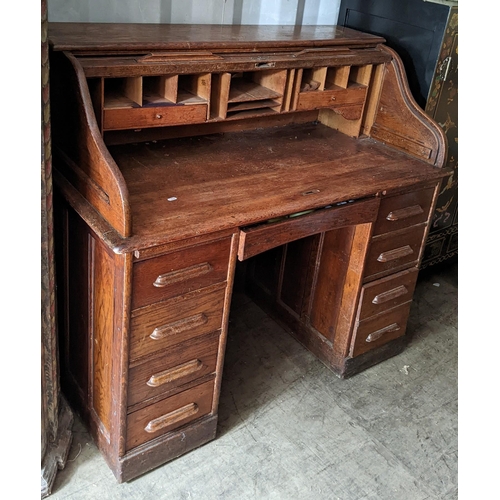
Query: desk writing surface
[239, 178]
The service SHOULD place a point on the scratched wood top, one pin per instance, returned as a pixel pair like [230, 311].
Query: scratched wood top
[236, 179]
[104, 37]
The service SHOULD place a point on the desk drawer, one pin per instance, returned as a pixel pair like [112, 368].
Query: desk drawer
[405, 210]
[179, 272]
[352, 96]
[257, 239]
[378, 330]
[386, 293]
[394, 251]
[128, 118]
[169, 414]
[169, 323]
[173, 367]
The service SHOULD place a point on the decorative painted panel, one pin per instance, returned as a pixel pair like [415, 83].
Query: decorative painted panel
[442, 105]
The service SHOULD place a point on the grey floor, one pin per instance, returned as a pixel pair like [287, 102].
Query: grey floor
[290, 429]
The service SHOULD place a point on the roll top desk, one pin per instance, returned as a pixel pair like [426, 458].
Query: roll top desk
[181, 150]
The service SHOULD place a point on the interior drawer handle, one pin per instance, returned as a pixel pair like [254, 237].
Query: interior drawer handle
[175, 373]
[182, 274]
[177, 327]
[390, 295]
[405, 213]
[387, 329]
[173, 417]
[265, 64]
[397, 253]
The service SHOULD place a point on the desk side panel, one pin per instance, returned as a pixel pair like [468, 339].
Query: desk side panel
[79, 149]
[93, 302]
[399, 121]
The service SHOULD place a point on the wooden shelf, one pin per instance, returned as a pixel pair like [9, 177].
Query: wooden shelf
[116, 100]
[248, 94]
[245, 91]
[242, 106]
[185, 97]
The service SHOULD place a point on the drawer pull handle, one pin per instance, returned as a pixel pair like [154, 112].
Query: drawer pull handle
[182, 274]
[397, 253]
[177, 327]
[390, 295]
[405, 213]
[175, 373]
[388, 329]
[173, 417]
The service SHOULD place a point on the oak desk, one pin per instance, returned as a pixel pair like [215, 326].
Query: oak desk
[181, 150]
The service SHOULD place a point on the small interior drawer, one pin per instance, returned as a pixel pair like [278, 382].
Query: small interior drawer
[386, 293]
[131, 118]
[378, 330]
[179, 272]
[257, 239]
[353, 96]
[405, 210]
[394, 251]
[173, 367]
[171, 322]
[169, 414]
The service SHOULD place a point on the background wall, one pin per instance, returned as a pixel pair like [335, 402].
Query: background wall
[290, 12]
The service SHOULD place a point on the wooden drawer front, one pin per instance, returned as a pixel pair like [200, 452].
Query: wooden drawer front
[263, 237]
[127, 118]
[378, 330]
[180, 272]
[394, 251]
[183, 363]
[386, 293]
[169, 323]
[332, 98]
[398, 212]
[169, 414]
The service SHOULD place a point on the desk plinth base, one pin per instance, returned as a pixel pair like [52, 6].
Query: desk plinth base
[155, 453]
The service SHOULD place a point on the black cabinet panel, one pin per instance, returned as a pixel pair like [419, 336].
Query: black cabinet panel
[413, 28]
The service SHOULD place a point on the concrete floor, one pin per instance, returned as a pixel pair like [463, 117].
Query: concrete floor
[289, 429]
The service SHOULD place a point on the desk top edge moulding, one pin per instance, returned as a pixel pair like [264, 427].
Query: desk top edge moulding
[182, 153]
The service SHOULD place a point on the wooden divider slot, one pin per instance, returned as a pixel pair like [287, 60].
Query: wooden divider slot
[360, 74]
[337, 78]
[123, 92]
[160, 90]
[155, 101]
[313, 79]
[194, 89]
